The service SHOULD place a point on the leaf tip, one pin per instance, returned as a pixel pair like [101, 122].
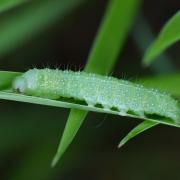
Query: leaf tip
[55, 161]
[120, 144]
[146, 61]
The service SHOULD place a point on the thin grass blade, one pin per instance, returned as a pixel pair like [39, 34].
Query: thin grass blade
[9, 95]
[19, 27]
[8, 4]
[145, 125]
[111, 36]
[143, 36]
[73, 124]
[169, 34]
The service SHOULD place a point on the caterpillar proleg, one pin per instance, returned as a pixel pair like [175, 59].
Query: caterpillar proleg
[109, 92]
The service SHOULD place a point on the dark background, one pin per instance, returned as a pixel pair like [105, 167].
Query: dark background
[29, 134]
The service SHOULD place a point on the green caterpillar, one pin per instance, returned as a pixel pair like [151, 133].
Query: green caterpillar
[109, 92]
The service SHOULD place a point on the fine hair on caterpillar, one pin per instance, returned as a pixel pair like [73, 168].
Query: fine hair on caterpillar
[107, 92]
[56, 65]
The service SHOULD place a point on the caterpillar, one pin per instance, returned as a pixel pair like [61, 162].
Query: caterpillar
[108, 92]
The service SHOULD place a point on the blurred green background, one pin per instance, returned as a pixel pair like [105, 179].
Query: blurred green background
[59, 33]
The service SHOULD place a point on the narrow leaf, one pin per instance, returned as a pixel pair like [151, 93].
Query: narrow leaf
[8, 95]
[167, 36]
[136, 131]
[107, 44]
[143, 36]
[22, 25]
[111, 36]
[8, 4]
[73, 124]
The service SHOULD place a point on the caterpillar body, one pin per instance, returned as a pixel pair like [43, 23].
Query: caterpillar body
[109, 92]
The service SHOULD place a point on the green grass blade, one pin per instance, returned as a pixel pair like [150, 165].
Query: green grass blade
[8, 95]
[145, 125]
[73, 124]
[168, 35]
[111, 35]
[8, 4]
[169, 83]
[143, 36]
[107, 44]
[21, 26]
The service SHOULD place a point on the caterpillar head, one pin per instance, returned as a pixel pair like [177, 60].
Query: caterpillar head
[26, 82]
[19, 84]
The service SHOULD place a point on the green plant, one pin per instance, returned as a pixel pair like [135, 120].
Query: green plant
[107, 45]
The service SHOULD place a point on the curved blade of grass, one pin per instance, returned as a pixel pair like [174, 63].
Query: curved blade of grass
[143, 36]
[75, 121]
[168, 35]
[8, 95]
[8, 4]
[19, 27]
[106, 47]
[145, 125]
[111, 36]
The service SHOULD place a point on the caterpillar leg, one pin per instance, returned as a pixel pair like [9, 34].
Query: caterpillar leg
[140, 113]
[122, 110]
